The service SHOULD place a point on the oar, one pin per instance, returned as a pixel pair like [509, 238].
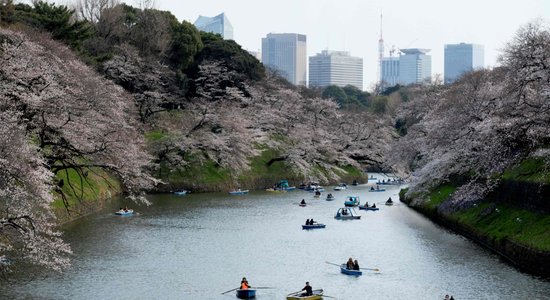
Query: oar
[294, 293]
[325, 296]
[332, 263]
[263, 287]
[230, 291]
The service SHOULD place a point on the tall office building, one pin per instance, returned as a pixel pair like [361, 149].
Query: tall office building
[335, 68]
[461, 58]
[389, 71]
[415, 66]
[218, 24]
[286, 52]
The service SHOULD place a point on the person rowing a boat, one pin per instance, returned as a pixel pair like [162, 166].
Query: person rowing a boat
[356, 265]
[308, 289]
[389, 200]
[244, 284]
[350, 265]
[303, 202]
[373, 205]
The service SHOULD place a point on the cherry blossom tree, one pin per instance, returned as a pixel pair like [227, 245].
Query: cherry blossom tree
[482, 124]
[57, 114]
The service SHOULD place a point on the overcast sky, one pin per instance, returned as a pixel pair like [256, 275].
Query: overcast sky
[354, 25]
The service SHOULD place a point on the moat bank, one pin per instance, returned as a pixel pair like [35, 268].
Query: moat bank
[519, 236]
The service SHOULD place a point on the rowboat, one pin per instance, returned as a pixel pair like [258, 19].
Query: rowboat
[289, 188]
[389, 203]
[352, 201]
[180, 193]
[238, 192]
[302, 204]
[123, 212]
[346, 271]
[314, 226]
[369, 208]
[377, 190]
[330, 197]
[246, 294]
[345, 213]
[341, 187]
[282, 185]
[317, 294]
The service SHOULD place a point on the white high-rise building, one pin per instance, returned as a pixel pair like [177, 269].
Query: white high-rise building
[415, 66]
[287, 53]
[462, 58]
[218, 24]
[335, 68]
[389, 71]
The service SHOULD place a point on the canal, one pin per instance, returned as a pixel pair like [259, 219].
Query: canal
[199, 245]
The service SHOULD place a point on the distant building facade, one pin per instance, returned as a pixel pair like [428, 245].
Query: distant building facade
[462, 58]
[287, 53]
[415, 66]
[389, 71]
[335, 68]
[256, 54]
[218, 24]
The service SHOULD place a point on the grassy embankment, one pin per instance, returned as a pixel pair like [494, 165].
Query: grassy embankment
[205, 175]
[83, 195]
[501, 221]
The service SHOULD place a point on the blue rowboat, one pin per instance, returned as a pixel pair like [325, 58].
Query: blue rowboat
[314, 226]
[238, 192]
[124, 212]
[344, 270]
[377, 190]
[180, 193]
[246, 294]
[369, 208]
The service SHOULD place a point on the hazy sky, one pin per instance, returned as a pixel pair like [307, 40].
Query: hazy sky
[354, 25]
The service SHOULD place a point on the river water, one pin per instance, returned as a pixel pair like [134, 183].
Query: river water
[200, 245]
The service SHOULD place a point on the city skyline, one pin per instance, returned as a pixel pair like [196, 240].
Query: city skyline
[354, 26]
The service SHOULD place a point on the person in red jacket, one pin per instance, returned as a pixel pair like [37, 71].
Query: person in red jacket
[244, 284]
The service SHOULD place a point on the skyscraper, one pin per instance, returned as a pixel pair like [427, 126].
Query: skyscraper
[389, 73]
[218, 24]
[461, 58]
[415, 66]
[335, 68]
[286, 52]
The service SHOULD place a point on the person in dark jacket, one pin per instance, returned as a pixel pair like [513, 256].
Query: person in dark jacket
[356, 265]
[349, 264]
[308, 289]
